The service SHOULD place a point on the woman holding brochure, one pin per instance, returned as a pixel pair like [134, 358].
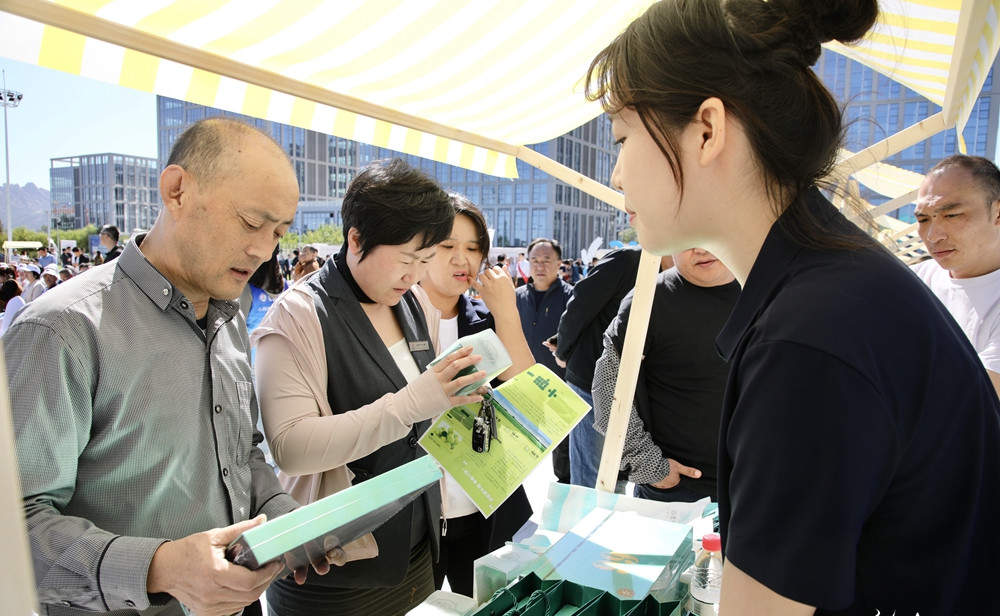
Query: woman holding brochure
[345, 391]
[859, 454]
[465, 533]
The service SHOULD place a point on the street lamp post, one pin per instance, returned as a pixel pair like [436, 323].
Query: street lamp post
[10, 99]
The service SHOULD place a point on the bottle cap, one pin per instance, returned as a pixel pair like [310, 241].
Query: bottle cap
[712, 542]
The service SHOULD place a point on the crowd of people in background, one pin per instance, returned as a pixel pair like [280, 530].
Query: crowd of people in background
[27, 276]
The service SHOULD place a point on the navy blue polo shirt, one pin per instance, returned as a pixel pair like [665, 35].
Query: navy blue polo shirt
[859, 456]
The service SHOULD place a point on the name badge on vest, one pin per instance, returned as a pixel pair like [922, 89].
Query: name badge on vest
[420, 345]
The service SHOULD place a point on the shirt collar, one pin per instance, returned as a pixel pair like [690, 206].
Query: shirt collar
[155, 285]
[768, 274]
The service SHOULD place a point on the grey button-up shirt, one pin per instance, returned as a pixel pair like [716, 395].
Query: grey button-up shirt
[133, 426]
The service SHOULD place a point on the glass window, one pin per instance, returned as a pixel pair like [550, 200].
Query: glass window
[521, 227]
[300, 173]
[867, 87]
[522, 194]
[910, 113]
[856, 70]
[503, 236]
[474, 193]
[457, 174]
[540, 193]
[490, 194]
[539, 223]
[507, 193]
[840, 77]
[937, 146]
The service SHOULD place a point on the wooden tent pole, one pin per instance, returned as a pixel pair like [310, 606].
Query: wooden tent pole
[573, 178]
[893, 205]
[17, 584]
[628, 373]
[890, 145]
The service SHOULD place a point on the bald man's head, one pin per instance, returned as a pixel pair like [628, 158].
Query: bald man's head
[208, 149]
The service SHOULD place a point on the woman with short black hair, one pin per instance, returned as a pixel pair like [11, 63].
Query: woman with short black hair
[345, 391]
[853, 400]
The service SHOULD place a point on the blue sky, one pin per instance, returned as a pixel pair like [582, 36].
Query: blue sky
[63, 115]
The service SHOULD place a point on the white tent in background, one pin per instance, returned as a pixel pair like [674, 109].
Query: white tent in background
[466, 82]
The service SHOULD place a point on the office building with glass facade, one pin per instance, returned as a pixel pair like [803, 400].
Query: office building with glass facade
[876, 107]
[534, 205]
[103, 189]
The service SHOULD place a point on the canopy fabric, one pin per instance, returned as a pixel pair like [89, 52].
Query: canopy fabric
[461, 82]
[942, 49]
[508, 70]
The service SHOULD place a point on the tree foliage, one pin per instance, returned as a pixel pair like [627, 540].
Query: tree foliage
[327, 234]
[23, 234]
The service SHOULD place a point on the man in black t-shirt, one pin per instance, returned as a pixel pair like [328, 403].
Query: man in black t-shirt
[672, 440]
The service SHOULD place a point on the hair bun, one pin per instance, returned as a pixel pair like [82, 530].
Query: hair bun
[817, 21]
[832, 20]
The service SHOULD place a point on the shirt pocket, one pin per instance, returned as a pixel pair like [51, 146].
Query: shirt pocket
[244, 442]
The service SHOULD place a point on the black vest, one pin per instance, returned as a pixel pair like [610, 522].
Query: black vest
[361, 370]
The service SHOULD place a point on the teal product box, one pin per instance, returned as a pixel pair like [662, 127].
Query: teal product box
[622, 553]
[335, 520]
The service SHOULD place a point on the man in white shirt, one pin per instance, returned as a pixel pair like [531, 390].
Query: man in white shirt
[958, 218]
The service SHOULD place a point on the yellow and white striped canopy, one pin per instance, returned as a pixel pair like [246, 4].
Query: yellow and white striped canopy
[459, 81]
[507, 70]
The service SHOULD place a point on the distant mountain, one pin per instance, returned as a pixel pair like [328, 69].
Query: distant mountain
[29, 206]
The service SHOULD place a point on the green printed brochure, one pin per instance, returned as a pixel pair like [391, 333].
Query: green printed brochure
[495, 358]
[535, 411]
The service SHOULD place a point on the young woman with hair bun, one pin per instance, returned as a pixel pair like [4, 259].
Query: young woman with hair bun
[859, 453]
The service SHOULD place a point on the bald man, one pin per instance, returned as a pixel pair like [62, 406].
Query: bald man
[958, 219]
[138, 453]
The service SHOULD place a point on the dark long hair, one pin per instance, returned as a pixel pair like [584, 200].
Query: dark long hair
[268, 275]
[755, 56]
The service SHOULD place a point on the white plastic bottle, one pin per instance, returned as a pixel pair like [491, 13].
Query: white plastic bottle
[706, 579]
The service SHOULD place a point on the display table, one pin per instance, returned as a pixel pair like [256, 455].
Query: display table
[593, 553]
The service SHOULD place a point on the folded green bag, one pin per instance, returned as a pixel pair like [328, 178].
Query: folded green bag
[513, 596]
[650, 607]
